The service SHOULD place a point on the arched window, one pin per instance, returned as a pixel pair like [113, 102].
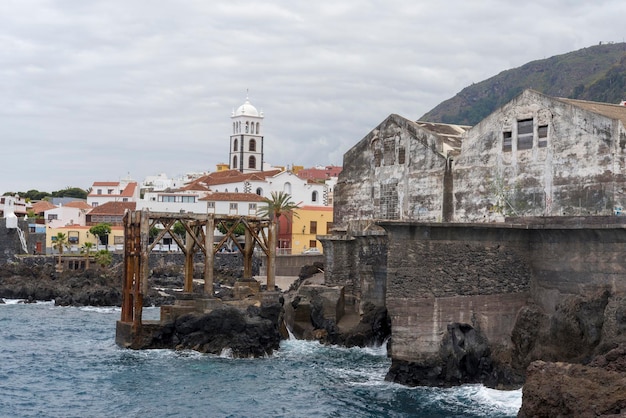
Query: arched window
[257, 127]
[252, 128]
[234, 162]
[259, 191]
[252, 162]
[287, 188]
[247, 127]
[234, 127]
[235, 145]
[314, 196]
[252, 145]
[236, 189]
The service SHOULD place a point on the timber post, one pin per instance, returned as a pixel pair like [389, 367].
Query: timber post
[209, 255]
[271, 259]
[189, 246]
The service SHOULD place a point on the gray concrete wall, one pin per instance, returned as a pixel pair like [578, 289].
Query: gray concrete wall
[483, 274]
[290, 265]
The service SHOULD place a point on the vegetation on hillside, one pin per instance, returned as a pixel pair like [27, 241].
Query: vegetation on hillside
[597, 73]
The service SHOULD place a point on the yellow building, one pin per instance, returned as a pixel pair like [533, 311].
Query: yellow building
[310, 222]
[78, 235]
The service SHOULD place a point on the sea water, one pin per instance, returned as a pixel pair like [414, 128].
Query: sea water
[63, 362]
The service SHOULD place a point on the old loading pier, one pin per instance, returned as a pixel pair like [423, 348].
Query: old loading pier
[134, 332]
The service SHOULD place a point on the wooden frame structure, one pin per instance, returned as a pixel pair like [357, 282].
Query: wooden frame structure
[199, 236]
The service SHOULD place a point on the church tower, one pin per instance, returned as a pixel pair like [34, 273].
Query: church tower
[246, 141]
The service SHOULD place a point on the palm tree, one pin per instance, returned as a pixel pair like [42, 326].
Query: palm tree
[60, 242]
[87, 247]
[277, 205]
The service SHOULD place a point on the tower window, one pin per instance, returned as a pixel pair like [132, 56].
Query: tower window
[247, 127]
[235, 161]
[235, 144]
[257, 127]
[252, 145]
[252, 162]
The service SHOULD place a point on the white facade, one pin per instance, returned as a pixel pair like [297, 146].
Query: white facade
[303, 192]
[102, 192]
[246, 141]
[64, 216]
[173, 202]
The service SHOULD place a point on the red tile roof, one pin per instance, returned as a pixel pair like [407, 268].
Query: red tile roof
[42, 206]
[113, 208]
[232, 197]
[231, 176]
[79, 204]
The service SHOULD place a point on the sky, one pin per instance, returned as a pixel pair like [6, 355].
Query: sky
[102, 90]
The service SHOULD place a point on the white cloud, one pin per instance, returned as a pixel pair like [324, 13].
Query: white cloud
[92, 90]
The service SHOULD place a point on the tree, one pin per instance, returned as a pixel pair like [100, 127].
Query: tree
[87, 247]
[103, 258]
[277, 205]
[59, 243]
[101, 230]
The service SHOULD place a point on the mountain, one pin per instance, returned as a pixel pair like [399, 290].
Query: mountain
[596, 73]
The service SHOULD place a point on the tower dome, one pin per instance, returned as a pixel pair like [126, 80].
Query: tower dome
[246, 109]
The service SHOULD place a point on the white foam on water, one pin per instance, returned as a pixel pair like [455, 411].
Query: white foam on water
[101, 309]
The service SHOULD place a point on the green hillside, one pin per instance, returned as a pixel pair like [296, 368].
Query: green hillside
[597, 73]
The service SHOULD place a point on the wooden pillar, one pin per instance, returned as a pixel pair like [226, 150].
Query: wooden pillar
[209, 256]
[144, 236]
[137, 291]
[189, 245]
[271, 259]
[247, 254]
[127, 279]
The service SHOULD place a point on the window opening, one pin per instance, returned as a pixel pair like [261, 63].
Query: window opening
[524, 134]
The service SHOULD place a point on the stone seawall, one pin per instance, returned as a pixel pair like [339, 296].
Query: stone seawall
[480, 302]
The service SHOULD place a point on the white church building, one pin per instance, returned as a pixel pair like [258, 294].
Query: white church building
[238, 189]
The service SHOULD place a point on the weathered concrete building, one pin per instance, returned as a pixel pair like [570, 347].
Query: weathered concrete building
[461, 232]
[399, 171]
[542, 156]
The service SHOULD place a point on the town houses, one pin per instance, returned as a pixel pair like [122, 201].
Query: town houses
[234, 188]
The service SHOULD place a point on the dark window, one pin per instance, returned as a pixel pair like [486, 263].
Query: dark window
[542, 133]
[314, 197]
[252, 162]
[313, 227]
[378, 156]
[235, 162]
[329, 226]
[235, 145]
[401, 155]
[252, 145]
[507, 140]
[313, 244]
[389, 146]
[524, 134]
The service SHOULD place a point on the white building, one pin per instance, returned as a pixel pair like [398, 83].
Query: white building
[125, 190]
[72, 213]
[246, 141]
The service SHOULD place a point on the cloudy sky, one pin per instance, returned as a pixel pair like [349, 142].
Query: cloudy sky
[97, 90]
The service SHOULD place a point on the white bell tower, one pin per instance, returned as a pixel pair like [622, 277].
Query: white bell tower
[246, 139]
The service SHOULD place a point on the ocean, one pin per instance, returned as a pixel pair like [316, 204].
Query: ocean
[63, 362]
